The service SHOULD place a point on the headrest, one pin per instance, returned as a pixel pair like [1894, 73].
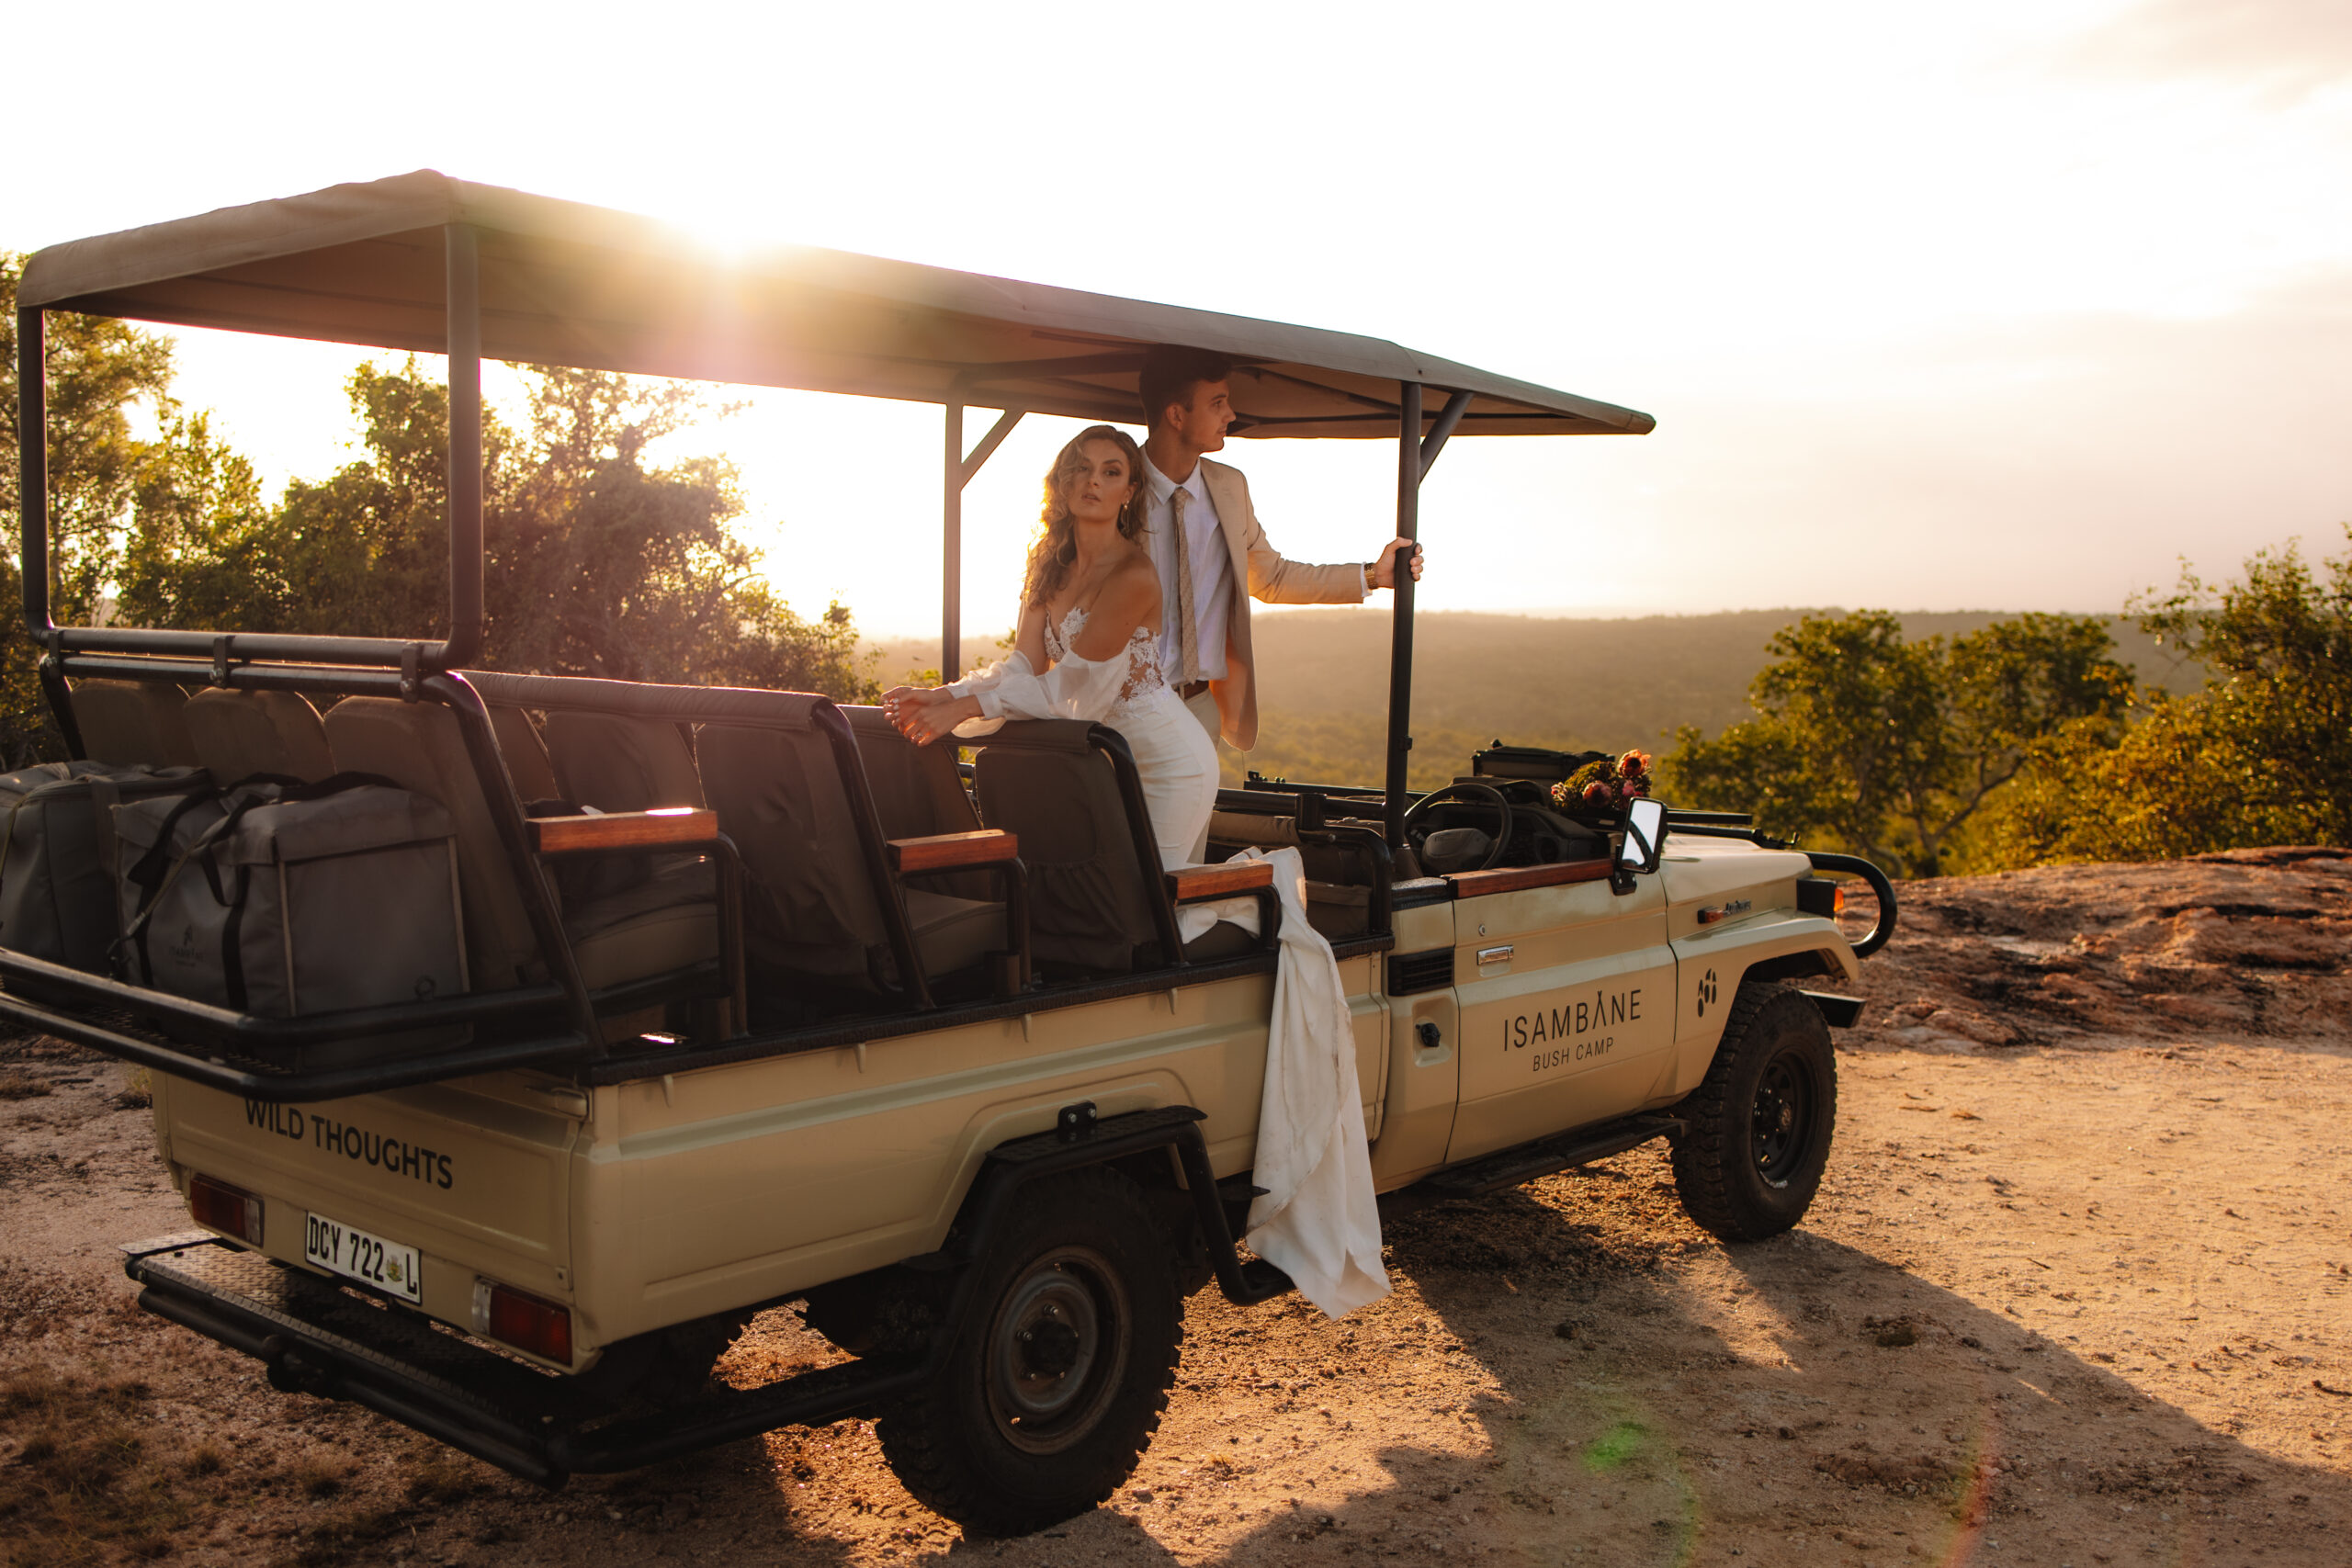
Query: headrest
[133, 721]
[239, 734]
[617, 764]
[526, 754]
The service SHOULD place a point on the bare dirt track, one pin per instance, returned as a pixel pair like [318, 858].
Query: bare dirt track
[2075, 1292]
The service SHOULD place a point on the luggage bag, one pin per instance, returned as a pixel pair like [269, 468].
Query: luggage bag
[286, 900]
[57, 896]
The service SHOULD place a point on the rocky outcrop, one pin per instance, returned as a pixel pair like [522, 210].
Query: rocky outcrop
[2251, 944]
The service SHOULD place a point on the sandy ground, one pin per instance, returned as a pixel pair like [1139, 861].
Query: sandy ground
[2076, 1295]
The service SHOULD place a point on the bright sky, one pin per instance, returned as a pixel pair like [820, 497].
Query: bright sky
[2006, 305]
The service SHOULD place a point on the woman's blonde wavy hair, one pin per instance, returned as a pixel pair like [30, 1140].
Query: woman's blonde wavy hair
[1056, 546]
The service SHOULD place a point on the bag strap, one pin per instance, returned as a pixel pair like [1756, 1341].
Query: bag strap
[135, 936]
[149, 875]
[249, 793]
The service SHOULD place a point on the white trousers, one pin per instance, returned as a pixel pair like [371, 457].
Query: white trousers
[1201, 705]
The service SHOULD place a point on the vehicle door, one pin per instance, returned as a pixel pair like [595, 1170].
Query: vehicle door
[1566, 998]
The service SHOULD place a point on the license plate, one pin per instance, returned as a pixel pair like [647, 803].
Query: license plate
[370, 1259]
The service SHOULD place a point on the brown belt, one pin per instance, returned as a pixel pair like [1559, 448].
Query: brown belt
[1192, 688]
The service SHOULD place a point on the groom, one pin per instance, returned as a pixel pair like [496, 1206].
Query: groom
[1198, 511]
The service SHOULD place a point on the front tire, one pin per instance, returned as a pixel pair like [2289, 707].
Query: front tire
[1059, 1373]
[1760, 1124]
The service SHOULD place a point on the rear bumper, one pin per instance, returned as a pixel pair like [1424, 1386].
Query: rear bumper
[316, 1337]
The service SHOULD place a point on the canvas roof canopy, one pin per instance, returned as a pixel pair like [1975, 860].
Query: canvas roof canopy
[565, 283]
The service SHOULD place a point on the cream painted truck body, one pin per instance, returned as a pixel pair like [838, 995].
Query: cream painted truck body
[670, 1197]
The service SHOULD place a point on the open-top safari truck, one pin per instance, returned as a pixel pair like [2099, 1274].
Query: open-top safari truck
[515, 1038]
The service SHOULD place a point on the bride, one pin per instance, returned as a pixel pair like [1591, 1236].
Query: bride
[1089, 643]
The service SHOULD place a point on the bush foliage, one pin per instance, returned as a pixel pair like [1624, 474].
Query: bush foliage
[597, 562]
[2026, 743]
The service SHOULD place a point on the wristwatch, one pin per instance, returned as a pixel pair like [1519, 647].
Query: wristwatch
[1368, 583]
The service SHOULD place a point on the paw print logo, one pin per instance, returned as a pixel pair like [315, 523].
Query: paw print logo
[1706, 993]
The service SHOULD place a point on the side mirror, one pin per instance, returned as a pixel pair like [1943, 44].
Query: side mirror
[1644, 836]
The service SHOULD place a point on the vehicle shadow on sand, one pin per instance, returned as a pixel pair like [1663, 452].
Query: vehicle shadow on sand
[1640, 1394]
[1793, 1401]
[1586, 1379]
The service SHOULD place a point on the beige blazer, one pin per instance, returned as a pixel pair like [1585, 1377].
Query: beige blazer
[1259, 572]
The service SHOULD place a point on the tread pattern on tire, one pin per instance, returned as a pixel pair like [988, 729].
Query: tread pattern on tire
[1704, 1161]
[920, 1435]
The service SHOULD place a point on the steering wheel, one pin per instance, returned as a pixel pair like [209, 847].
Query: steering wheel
[1485, 794]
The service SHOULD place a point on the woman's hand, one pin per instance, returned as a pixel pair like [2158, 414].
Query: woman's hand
[924, 717]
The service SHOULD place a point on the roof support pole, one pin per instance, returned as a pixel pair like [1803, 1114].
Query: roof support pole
[951, 551]
[32, 469]
[32, 514]
[1400, 649]
[464, 298]
[1448, 417]
[957, 471]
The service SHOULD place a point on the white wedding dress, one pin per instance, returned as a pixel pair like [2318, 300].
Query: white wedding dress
[1128, 691]
[1317, 1218]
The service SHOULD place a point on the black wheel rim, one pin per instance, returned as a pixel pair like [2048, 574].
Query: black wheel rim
[1783, 1118]
[1055, 1349]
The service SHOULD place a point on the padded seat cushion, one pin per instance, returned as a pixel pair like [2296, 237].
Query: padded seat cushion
[1223, 940]
[953, 933]
[619, 762]
[1088, 902]
[418, 747]
[526, 754]
[1246, 829]
[917, 792]
[669, 922]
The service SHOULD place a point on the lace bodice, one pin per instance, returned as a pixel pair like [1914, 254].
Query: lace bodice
[1143, 676]
[1115, 691]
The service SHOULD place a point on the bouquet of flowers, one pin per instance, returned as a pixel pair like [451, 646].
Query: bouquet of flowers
[1605, 786]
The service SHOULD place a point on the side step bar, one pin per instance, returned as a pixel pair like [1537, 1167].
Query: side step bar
[1549, 1156]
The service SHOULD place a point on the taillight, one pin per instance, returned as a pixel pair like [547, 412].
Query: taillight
[230, 1210]
[1820, 896]
[513, 1317]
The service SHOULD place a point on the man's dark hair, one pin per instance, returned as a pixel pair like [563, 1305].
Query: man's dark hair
[1170, 374]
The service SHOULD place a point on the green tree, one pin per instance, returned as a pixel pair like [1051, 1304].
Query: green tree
[98, 373]
[1891, 747]
[2262, 755]
[595, 563]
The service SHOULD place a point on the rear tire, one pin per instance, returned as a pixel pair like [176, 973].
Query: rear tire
[1760, 1124]
[1057, 1375]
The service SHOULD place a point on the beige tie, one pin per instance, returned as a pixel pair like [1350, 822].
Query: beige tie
[1188, 630]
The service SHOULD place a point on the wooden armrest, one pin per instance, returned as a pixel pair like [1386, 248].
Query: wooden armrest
[952, 852]
[1218, 881]
[624, 830]
[1511, 879]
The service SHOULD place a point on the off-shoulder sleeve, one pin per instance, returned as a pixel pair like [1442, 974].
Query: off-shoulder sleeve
[1073, 688]
[987, 677]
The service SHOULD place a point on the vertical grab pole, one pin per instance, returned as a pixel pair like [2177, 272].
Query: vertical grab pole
[951, 550]
[1400, 649]
[464, 298]
[32, 469]
[32, 514]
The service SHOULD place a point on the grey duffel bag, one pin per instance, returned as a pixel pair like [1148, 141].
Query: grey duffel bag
[289, 900]
[57, 897]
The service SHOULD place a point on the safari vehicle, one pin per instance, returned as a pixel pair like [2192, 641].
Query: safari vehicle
[922, 1052]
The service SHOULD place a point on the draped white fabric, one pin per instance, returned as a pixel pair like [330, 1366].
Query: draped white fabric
[1317, 1222]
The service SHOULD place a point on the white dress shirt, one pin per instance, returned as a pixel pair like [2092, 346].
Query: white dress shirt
[1211, 566]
